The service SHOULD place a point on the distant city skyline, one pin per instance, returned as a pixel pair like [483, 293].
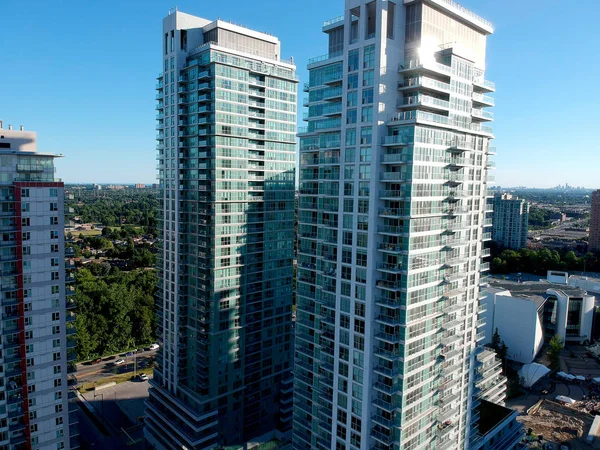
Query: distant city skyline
[89, 96]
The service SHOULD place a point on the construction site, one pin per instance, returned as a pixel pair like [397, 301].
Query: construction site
[554, 426]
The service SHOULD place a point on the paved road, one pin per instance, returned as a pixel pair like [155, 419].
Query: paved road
[89, 373]
[561, 231]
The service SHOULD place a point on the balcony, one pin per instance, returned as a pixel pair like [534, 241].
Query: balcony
[326, 58]
[482, 115]
[423, 101]
[396, 176]
[394, 195]
[390, 268]
[483, 100]
[395, 141]
[422, 83]
[390, 301]
[394, 213]
[389, 285]
[391, 339]
[424, 66]
[484, 85]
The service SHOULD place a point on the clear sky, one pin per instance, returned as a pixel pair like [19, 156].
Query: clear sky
[82, 74]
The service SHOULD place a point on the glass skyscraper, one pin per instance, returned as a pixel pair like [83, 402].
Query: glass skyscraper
[392, 219]
[226, 159]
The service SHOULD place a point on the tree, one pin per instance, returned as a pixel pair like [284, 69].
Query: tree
[502, 352]
[499, 346]
[554, 348]
[114, 310]
[496, 340]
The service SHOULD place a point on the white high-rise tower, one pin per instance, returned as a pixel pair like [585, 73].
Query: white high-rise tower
[392, 219]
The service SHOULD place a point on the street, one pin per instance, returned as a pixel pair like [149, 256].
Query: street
[562, 230]
[90, 373]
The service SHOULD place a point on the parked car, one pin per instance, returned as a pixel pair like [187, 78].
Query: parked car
[97, 361]
[144, 377]
[129, 354]
[118, 362]
[154, 346]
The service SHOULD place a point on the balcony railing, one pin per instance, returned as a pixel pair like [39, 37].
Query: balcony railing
[325, 57]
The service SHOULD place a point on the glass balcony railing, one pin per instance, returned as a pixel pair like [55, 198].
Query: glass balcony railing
[480, 98]
[325, 57]
[333, 21]
[425, 64]
[425, 82]
[424, 100]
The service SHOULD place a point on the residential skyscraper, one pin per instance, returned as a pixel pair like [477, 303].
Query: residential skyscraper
[510, 221]
[37, 331]
[226, 159]
[392, 215]
[594, 244]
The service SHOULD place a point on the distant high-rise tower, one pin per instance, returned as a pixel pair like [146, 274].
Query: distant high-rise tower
[594, 244]
[37, 330]
[226, 158]
[392, 215]
[510, 221]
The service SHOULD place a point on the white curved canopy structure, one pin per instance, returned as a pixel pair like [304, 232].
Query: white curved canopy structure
[531, 373]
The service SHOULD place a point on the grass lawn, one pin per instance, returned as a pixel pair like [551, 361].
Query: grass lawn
[117, 378]
[86, 233]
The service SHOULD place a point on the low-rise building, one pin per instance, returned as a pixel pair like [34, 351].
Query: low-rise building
[527, 314]
[497, 428]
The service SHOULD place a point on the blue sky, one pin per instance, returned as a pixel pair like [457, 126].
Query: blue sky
[81, 74]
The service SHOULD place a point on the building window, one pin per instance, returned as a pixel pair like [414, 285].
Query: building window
[390, 25]
[351, 116]
[352, 60]
[369, 57]
[366, 135]
[366, 115]
[367, 96]
[353, 81]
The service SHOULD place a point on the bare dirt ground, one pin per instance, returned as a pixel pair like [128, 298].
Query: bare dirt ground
[559, 424]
